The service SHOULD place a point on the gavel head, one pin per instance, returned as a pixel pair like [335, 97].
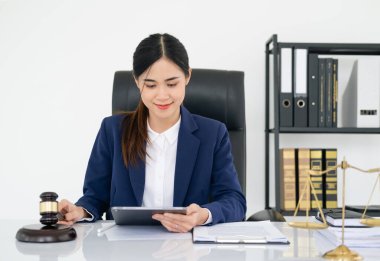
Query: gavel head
[49, 208]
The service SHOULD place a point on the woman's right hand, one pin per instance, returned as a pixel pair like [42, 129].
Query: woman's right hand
[70, 212]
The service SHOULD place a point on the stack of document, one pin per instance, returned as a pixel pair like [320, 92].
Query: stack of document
[239, 232]
[353, 237]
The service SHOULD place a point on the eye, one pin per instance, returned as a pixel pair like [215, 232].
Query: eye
[150, 85]
[172, 84]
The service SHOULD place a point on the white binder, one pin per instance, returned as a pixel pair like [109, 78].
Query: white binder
[361, 99]
[300, 88]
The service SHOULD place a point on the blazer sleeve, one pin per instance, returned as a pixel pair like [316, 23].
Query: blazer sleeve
[228, 202]
[97, 183]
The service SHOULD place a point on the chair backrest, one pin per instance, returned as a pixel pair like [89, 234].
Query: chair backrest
[216, 94]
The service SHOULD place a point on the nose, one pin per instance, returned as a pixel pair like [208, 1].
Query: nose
[162, 93]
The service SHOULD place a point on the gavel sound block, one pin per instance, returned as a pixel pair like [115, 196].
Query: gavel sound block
[48, 231]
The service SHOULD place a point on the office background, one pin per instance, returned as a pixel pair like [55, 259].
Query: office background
[57, 60]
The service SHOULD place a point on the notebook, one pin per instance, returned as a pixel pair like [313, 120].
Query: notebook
[334, 217]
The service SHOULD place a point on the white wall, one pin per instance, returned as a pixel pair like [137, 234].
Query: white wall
[57, 60]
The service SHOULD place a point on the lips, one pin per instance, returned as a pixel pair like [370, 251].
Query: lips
[163, 106]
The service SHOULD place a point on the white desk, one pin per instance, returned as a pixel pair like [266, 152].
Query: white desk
[90, 246]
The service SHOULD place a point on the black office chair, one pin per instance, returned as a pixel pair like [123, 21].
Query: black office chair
[215, 94]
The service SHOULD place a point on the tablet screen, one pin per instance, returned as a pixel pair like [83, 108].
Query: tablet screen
[141, 215]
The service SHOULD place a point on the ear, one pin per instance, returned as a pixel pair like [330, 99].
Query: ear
[188, 77]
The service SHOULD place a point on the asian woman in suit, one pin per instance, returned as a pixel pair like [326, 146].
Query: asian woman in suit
[161, 155]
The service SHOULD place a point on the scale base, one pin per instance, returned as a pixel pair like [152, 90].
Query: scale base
[342, 253]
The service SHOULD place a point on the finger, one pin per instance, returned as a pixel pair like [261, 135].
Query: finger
[167, 226]
[72, 216]
[176, 217]
[173, 227]
[192, 208]
[175, 222]
[67, 223]
[64, 206]
[188, 221]
[164, 221]
[158, 217]
[173, 218]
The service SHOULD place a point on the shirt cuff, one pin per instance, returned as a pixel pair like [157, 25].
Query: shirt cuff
[87, 219]
[209, 220]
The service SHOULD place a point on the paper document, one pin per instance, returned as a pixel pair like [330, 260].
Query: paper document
[353, 237]
[239, 232]
[117, 233]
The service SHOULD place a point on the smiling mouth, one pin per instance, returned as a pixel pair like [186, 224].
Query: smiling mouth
[164, 106]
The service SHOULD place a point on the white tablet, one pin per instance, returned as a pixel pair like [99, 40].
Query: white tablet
[141, 215]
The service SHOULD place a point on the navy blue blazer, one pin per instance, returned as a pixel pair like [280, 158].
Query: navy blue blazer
[204, 171]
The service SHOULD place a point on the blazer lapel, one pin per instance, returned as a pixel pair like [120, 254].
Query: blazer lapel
[187, 153]
[137, 177]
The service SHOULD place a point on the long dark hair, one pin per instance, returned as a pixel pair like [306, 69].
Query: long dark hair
[151, 49]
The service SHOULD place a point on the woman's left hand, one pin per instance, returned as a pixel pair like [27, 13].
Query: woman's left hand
[195, 215]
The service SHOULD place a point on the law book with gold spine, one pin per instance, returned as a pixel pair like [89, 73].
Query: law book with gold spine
[331, 179]
[316, 160]
[303, 169]
[287, 179]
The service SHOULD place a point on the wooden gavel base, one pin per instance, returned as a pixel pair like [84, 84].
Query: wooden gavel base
[38, 233]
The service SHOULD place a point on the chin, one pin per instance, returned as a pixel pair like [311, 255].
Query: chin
[166, 114]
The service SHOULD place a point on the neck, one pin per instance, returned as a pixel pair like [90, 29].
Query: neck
[160, 125]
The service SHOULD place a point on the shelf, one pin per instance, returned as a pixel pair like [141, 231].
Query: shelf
[273, 132]
[327, 130]
[336, 48]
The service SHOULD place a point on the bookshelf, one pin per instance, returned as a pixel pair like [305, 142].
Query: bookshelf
[273, 130]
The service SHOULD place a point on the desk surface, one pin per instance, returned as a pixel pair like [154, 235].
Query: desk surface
[304, 245]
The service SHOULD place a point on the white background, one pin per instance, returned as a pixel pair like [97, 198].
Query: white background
[58, 57]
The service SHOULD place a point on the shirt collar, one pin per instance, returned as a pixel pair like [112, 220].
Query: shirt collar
[170, 134]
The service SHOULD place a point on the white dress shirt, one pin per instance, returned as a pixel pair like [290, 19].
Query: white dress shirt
[160, 167]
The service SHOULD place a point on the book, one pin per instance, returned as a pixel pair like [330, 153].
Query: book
[302, 173]
[334, 217]
[329, 92]
[287, 179]
[335, 94]
[261, 232]
[331, 179]
[316, 161]
[372, 210]
[322, 91]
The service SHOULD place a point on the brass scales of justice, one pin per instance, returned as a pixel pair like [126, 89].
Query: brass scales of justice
[341, 252]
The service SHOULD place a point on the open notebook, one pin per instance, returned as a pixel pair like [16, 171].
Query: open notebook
[262, 232]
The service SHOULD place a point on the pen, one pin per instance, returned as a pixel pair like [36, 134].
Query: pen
[101, 230]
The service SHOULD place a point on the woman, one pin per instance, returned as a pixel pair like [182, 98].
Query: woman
[161, 155]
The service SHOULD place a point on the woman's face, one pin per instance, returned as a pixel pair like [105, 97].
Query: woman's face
[162, 89]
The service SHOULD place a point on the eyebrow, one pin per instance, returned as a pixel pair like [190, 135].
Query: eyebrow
[169, 79]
